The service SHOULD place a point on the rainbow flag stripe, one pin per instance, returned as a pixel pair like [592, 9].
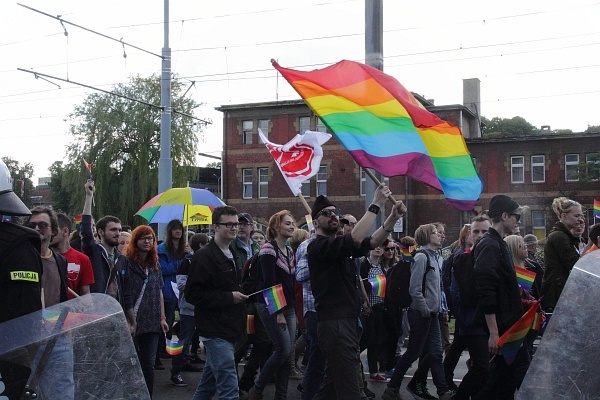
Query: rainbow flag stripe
[378, 285]
[384, 127]
[250, 325]
[274, 298]
[596, 208]
[525, 278]
[174, 347]
[406, 254]
[510, 342]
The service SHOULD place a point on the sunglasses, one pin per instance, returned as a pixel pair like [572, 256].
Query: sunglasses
[329, 212]
[42, 225]
[517, 216]
[388, 248]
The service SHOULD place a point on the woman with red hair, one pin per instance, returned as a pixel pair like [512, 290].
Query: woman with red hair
[146, 284]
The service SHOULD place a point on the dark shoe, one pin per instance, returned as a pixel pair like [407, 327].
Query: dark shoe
[448, 395]
[452, 386]
[391, 394]
[369, 393]
[419, 391]
[159, 365]
[190, 368]
[178, 380]
[252, 395]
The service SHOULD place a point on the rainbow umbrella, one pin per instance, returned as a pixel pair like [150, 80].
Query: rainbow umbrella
[189, 205]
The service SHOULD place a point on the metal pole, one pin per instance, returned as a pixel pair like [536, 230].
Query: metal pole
[374, 58]
[165, 167]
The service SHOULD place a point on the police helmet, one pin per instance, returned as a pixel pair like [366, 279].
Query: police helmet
[10, 204]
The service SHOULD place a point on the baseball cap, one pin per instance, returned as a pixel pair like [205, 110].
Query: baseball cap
[246, 216]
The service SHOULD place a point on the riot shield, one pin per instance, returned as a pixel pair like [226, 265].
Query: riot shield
[80, 349]
[564, 365]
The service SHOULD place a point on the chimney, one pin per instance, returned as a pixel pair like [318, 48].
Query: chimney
[472, 95]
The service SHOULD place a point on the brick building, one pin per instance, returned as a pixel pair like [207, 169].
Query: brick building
[532, 169]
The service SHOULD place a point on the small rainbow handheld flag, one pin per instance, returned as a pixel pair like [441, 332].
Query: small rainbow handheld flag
[88, 166]
[406, 254]
[596, 208]
[174, 347]
[510, 342]
[77, 219]
[250, 325]
[274, 298]
[525, 278]
[378, 284]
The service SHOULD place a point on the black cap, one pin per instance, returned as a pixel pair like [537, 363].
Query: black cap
[320, 203]
[503, 204]
[246, 216]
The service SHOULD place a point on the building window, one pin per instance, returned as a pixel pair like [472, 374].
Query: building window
[247, 183]
[538, 169]
[538, 221]
[363, 181]
[321, 126]
[304, 124]
[322, 181]
[247, 127]
[517, 169]
[305, 188]
[571, 167]
[592, 166]
[263, 183]
[263, 125]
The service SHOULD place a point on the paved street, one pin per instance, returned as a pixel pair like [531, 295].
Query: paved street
[164, 390]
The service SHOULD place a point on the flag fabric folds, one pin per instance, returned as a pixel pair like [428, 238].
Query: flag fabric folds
[250, 330]
[274, 298]
[406, 254]
[525, 278]
[88, 166]
[174, 347]
[384, 127]
[378, 285]
[299, 159]
[596, 208]
[510, 342]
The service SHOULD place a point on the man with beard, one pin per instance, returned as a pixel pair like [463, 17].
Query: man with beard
[109, 266]
[334, 283]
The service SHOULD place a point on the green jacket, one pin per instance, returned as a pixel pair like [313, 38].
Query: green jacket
[240, 255]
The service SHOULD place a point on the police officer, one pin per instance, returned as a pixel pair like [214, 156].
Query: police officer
[20, 262]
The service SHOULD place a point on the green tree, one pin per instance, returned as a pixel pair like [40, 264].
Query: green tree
[593, 129]
[120, 138]
[216, 164]
[508, 127]
[61, 197]
[21, 176]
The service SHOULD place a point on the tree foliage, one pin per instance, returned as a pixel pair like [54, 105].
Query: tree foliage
[592, 129]
[120, 138]
[508, 127]
[216, 164]
[21, 179]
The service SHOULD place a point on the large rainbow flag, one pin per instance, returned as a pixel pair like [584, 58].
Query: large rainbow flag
[384, 127]
[510, 342]
[378, 285]
[274, 298]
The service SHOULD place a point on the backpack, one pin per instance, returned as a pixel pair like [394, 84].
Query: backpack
[398, 282]
[250, 274]
[464, 274]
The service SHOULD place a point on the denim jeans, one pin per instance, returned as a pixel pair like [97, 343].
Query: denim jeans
[186, 330]
[424, 331]
[55, 376]
[278, 364]
[315, 370]
[219, 373]
[146, 345]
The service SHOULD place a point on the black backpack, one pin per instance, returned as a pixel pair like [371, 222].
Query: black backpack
[250, 274]
[398, 282]
[464, 274]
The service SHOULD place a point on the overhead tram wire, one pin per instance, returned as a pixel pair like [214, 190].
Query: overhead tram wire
[39, 74]
[63, 21]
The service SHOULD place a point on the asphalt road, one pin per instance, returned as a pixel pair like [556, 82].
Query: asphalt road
[164, 390]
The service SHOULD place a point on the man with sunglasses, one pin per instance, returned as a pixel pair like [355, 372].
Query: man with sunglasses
[499, 299]
[334, 283]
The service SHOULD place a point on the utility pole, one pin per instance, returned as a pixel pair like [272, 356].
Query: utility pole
[165, 165]
[374, 58]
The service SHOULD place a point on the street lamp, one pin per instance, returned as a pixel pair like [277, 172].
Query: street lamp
[219, 184]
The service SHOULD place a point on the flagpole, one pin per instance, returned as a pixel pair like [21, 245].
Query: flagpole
[304, 203]
[378, 183]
